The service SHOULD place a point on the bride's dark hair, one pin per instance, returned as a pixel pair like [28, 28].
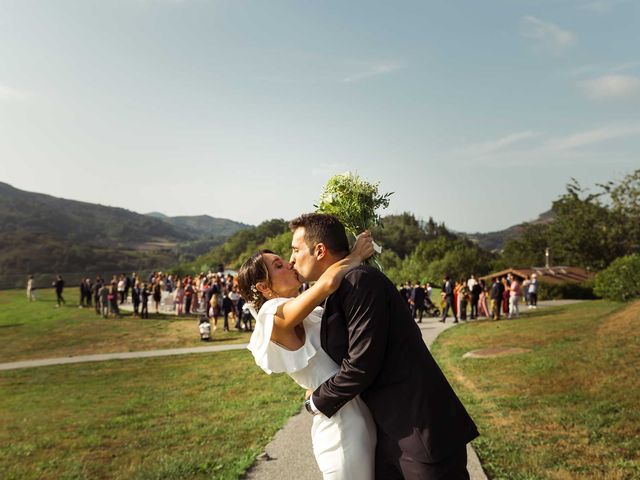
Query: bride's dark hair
[252, 271]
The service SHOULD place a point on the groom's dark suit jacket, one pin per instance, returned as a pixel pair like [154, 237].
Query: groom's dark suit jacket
[368, 330]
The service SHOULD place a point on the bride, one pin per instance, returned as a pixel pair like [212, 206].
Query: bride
[287, 339]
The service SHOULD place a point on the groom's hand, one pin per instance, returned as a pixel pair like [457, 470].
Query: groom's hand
[308, 394]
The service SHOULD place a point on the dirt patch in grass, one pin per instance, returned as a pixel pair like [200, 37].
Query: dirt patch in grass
[494, 352]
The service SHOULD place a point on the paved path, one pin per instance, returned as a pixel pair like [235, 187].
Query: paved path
[119, 356]
[289, 456]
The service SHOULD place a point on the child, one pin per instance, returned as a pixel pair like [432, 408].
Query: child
[205, 329]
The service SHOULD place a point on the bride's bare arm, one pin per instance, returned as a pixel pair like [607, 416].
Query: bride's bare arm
[293, 312]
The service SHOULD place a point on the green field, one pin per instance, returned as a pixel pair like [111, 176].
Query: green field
[32, 330]
[193, 416]
[569, 408]
[565, 410]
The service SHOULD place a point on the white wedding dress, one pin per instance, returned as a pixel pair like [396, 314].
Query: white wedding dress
[344, 445]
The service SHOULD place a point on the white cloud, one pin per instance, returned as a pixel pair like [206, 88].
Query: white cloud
[602, 68]
[626, 66]
[612, 87]
[590, 137]
[547, 35]
[373, 70]
[493, 146]
[9, 93]
[602, 6]
[547, 150]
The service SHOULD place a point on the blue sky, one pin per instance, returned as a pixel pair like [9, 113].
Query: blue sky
[475, 113]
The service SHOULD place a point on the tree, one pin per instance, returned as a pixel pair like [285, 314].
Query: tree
[526, 251]
[625, 203]
[400, 233]
[584, 231]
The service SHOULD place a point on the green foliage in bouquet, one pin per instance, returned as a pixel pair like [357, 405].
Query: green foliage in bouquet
[354, 201]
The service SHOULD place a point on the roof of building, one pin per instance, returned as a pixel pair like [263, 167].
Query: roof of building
[559, 274]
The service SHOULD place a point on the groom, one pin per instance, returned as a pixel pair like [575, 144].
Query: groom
[368, 330]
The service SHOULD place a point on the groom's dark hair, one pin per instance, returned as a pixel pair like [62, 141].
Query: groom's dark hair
[322, 228]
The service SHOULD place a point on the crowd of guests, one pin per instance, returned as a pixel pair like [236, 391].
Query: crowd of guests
[212, 296]
[473, 298]
[215, 295]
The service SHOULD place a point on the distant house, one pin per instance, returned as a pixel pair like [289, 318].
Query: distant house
[550, 275]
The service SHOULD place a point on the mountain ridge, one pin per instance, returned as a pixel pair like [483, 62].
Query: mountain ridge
[43, 233]
[495, 241]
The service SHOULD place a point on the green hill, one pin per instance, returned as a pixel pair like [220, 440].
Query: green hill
[203, 225]
[495, 241]
[44, 234]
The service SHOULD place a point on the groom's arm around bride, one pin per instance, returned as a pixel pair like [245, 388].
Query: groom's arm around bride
[368, 330]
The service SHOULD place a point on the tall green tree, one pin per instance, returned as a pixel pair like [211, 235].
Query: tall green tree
[400, 233]
[585, 232]
[625, 203]
[589, 229]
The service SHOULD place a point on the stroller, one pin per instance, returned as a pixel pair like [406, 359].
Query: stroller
[246, 318]
[430, 308]
[205, 329]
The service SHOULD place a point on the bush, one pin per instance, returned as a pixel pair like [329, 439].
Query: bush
[620, 281]
[574, 291]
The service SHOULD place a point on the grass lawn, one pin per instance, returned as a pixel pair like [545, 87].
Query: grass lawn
[568, 409]
[186, 417]
[32, 330]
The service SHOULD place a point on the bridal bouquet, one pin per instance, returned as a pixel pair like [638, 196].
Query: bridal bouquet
[354, 201]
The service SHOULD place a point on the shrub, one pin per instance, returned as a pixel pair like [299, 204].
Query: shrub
[582, 291]
[621, 280]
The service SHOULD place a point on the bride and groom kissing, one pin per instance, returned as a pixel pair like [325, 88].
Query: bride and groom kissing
[381, 406]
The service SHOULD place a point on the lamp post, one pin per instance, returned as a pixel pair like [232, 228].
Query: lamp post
[546, 257]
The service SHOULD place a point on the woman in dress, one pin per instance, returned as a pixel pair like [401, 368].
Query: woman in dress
[483, 310]
[287, 339]
[179, 298]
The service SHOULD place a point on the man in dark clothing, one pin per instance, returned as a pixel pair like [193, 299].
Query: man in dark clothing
[188, 298]
[448, 293]
[136, 293]
[417, 302]
[463, 297]
[88, 290]
[476, 290]
[227, 308]
[96, 294]
[367, 329]
[144, 295]
[83, 293]
[405, 291]
[58, 285]
[497, 290]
